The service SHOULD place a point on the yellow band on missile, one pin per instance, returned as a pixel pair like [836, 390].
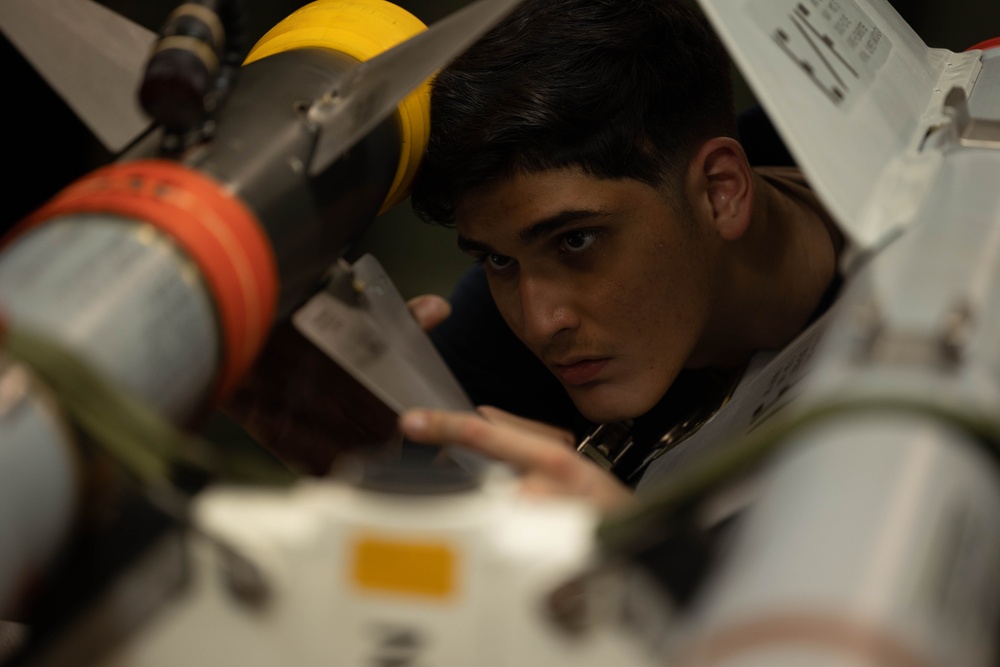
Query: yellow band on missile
[361, 29]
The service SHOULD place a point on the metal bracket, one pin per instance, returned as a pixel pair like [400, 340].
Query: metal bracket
[971, 132]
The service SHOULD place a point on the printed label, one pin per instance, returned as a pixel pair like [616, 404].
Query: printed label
[837, 47]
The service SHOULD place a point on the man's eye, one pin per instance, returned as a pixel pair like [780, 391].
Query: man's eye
[497, 262]
[579, 240]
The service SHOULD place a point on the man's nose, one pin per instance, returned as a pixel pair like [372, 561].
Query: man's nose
[546, 308]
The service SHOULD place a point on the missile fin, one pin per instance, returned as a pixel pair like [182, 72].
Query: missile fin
[91, 56]
[374, 89]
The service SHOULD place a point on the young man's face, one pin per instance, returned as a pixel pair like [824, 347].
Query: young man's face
[604, 280]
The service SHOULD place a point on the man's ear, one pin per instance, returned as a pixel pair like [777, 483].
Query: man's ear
[722, 183]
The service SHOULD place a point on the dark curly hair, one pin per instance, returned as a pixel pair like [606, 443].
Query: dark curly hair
[619, 88]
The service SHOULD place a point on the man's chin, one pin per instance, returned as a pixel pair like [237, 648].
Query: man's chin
[603, 405]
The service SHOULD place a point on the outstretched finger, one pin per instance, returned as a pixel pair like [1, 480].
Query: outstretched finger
[517, 446]
[498, 416]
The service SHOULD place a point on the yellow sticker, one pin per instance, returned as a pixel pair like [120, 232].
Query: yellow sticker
[415, 568]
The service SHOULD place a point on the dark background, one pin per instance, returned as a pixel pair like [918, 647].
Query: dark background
[47, 147]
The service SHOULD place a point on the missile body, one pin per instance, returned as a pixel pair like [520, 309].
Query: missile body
[165, 275]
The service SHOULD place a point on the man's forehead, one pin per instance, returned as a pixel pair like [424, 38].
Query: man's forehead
[523, 195]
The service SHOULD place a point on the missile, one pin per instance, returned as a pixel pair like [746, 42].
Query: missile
[135, 300]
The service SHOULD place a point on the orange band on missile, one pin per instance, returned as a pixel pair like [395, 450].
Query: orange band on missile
[985, 45]
[215, 229]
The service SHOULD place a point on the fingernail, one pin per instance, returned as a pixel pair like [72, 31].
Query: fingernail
[414, 422]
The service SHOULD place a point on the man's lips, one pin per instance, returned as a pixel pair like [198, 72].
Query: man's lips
[579, 372]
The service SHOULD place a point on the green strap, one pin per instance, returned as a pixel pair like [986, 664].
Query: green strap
[139, 439]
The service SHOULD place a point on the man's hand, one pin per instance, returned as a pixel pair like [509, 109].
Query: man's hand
[544, 455]
[306, 410]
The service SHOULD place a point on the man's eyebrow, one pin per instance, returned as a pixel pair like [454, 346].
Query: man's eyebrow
[540, 229]
[548, 226]
[470, 246]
